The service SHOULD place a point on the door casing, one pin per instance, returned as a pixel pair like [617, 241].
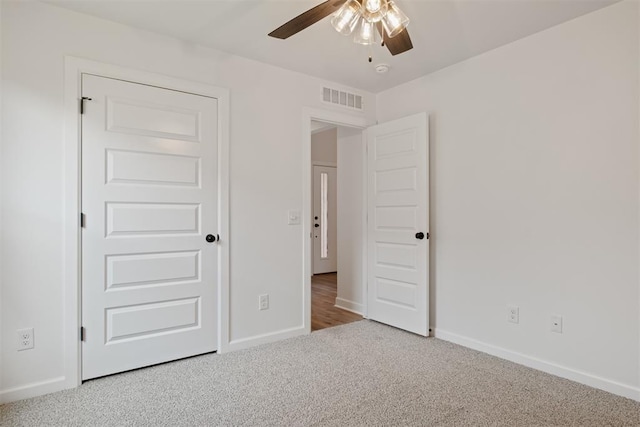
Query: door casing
[73, 71]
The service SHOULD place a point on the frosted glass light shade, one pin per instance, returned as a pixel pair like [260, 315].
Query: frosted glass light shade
[366, 33]
[346, 18]
[394, 20]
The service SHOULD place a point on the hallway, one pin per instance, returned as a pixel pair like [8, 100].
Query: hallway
[324, 314]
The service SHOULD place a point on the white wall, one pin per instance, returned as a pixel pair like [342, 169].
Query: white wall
[350, 219]
[266, 175]
[2, 345]
[534, 197]
[323, 146]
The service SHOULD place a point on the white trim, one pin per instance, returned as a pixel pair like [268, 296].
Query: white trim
[325, 164]
[340, 119]
[270, 337]
[365, 226]
[32, 390]
[351, 306]
[638, 235]
[581, 377]
[73, 70]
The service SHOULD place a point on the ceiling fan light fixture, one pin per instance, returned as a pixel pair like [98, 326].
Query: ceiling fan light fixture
[373, 5]
[394, 20]
[346, 18]
[366, 34]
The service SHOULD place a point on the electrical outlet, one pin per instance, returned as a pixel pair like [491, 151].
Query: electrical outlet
[25, 339]
[556, 323]
[513, 314]
[263, 302]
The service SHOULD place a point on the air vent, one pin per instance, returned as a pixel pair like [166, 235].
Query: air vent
[342, 98]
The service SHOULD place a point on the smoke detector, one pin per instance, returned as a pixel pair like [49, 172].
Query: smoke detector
[382, 68]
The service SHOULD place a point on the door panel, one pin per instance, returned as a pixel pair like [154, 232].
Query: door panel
[398, 208]
[128, 167]
[325, 234]
[149, 196]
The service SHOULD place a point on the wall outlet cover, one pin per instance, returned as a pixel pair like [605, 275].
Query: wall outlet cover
[25, 339]
[263, 302]
[513, 314]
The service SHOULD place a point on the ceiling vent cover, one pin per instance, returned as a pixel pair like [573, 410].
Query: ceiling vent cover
[342, 98]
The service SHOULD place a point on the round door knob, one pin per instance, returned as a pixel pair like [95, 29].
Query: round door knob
[210, 238]
[316, 225]
[420, 235]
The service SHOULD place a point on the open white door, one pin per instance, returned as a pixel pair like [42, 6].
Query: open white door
[325, 230]
[398, 221]
[149, 198]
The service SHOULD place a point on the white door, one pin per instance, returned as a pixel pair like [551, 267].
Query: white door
[149, 198]
[398, 221]
[325, 235]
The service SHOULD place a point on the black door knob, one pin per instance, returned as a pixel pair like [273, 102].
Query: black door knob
[316, 225]
[210, 238]
[420, 235]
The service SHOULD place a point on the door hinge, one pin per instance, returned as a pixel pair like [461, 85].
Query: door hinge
[82, 333]
[82, 220]
[82, 100]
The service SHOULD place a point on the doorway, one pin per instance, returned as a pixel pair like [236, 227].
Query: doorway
[388, 165]
[332, 282]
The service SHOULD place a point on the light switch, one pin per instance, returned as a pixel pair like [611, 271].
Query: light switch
[293, 217]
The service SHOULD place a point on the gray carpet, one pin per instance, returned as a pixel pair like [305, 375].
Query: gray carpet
[359, 374]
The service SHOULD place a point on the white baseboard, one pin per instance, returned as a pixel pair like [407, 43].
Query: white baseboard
[351, 306]
[263, 339]
[585, 378]
[32, 390]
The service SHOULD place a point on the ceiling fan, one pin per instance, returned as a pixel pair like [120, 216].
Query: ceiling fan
[382, 15]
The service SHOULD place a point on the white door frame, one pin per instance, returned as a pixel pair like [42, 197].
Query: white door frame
[74, 68]
[341, 119]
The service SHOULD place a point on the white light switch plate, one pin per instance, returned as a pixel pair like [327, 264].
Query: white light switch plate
[293, 217]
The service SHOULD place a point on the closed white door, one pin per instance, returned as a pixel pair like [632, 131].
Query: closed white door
[398, 220]
[325, 235]
[149, 199]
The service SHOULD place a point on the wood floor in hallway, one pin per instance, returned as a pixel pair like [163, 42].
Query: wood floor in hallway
[324, 313]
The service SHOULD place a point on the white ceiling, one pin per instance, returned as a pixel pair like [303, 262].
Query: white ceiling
[443, 32]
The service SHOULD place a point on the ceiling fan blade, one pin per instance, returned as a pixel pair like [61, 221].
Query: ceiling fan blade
[307, 19]
[398, 44]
